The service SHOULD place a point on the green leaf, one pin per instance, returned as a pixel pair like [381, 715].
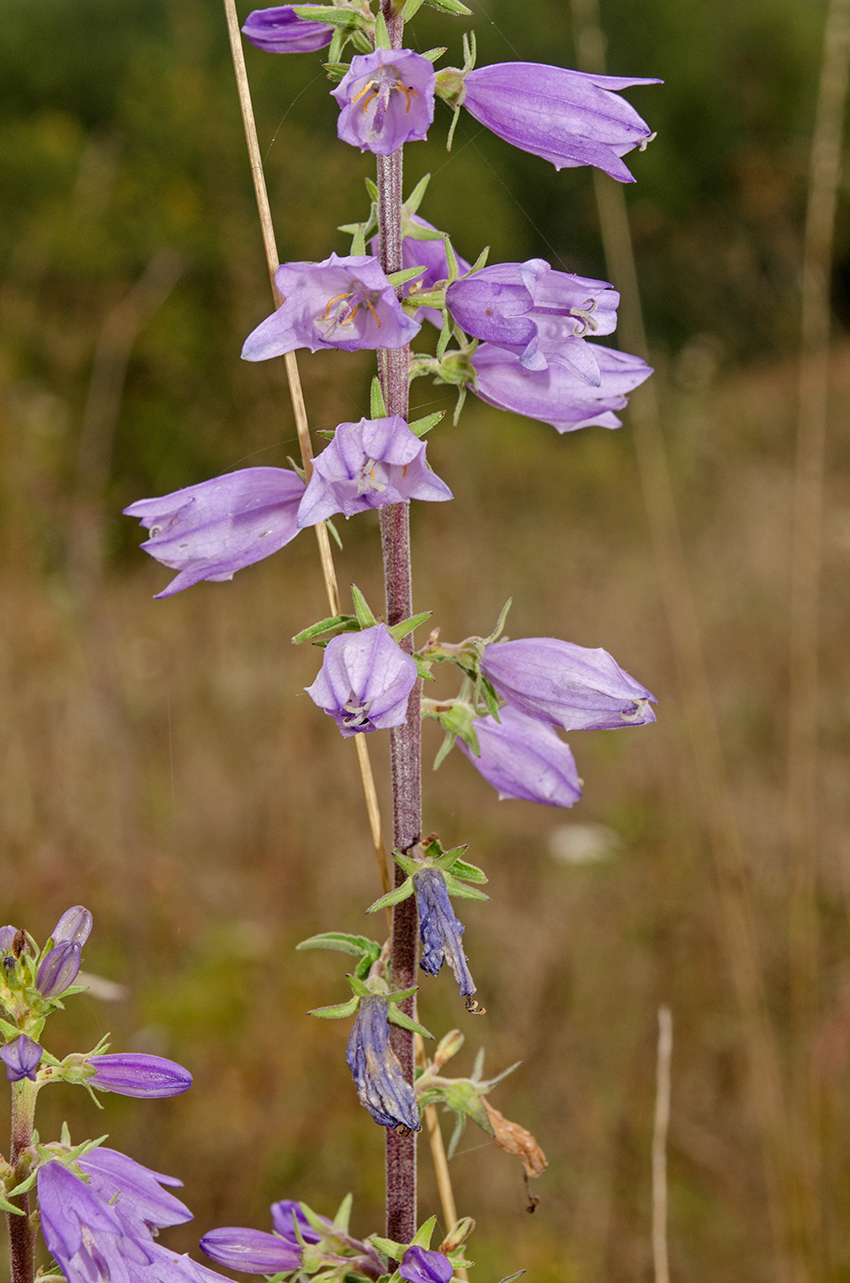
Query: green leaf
[396, 896]
[365, 618]
[397, 1016]
[7, 1207]
[325, 627]
[11, 1031]
[343, 1216]
[433, 54]
[389, 1248]
[411, 8]
[415, 198]
[337, 1012]
[423, 668]
[406, 626]
[444, 750]
[377, 404]
[420, 426]
[451, 6]
[461, 890]
[423, 1236]
[469, 872]
[328, 14]
[336, 71]
[382, 36]
[361, 990]
[333, 532]
[401, 278]
[344, 943]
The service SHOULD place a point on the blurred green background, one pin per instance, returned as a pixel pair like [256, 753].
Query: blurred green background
[160, 762]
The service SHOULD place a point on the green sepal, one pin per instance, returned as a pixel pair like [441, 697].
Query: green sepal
[410, 865]
[342, 1219]
[491, 699]
[410, 9]
[326, 628]
[406, 626]
[423, 1236]
[395, 1251]
[11, 1031]
[48, 1059]
[452, 127]
[365, 618]
[395, 896]
[451, 260]
[377, 404]
[401, 278]
[361, 990]
[460, 1128]
[382, 35]
[358, 239]
[423, 668]
[500, 623]
[416, 197]
[433, 54]
[481, 261]
[462, 890]
[335, 48]
[420, 426]
[336, 71]
[7, 1207]
[372, 189]
[444, 750]
[469, 872]
[360, 40]
[509, 1278]
[328, 14]
[333, 532]
[359, 946]
[397, 1016]
[451, 6]
[445, 336]
[337, 1012]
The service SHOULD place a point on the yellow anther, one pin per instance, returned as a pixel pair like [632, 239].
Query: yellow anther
[370, 84]
[374, 313]
[331, 302]
[407, 92]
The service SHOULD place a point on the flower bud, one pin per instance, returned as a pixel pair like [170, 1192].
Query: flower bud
[280, 30]
[74, 926]
[251, 1251]
[21, 1058]
[7, 937]
[449, 1045]
[135, 1074]
[458, 1234]
[59, 969]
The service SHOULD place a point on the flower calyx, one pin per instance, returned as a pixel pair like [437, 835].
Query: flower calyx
[456, 872]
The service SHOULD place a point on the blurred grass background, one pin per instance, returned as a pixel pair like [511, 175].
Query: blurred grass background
[160, 762]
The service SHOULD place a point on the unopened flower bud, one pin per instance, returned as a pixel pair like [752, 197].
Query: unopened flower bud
[59, 969]
[74, 926]
[21, 1058]
[134, 1074]
[7, 938]
[458, 1234]
[448, 1046]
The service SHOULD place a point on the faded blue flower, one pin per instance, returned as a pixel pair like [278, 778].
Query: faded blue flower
[420, 1265]
[21, 1058]
[345, 303]
[567, 117]
[213, 529]
[381, 1085]
[557, 395]
[59, 969]
[367, 465]
[575, 687]
[524, 758]
[365, 681]
[538, 314]
[440, 930]
[74, 926]
[386, 99]
[132, 1073]
[280, 30]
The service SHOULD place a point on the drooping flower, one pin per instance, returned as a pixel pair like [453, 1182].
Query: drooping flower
[74, 925]
[135, 1074]
[556, 395]
[21, 1058]
[280, 30]
[386, 99]
[538, 314]
[430, 254]
[567, 117]
[342, 302]
[365, 681]
[576, 687]
[368, 465]
[440, 930]
[213, 529]
[251, 1251]
[59, 969]
[257, 1252]
[524, 758]
[420, 1265]
[381, 1085]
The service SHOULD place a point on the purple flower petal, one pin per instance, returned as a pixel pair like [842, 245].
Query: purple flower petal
[381, 1085]
[430, 254]
[368, 465]
[345, 303]
[440, 930]
[419, 1265]
[213, 529]
[365, 681]
[566, 685]
[134, 1191]
[567, 117]
[523, 758]
[135, 1074]
[280, 30]
[7, 937]
[251, 1251]
[21, 1058]
[386, 99]
[74, 926]
[58, 970]
[557, 395]
[282, 1220]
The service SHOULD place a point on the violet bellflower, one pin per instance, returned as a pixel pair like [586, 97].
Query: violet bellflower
[420, 1265]
[375, 1068]
[538, 314]
[369, 464]
[557, 395]
[575, 687]
[440, 930]
[251, 1251]
[132, 1073]
[430, 254]
[342, 302]
[257, 1252]
[567, 117]
[524, 758]
[365, 681]
[21, 1058]
[212, 529]
[59, 969]
[386, 99]
[280, 30]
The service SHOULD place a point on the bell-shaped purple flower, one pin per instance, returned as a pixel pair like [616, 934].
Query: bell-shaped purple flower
[21, 1058]
[59, 969]
[135, 1191]
[280, 30]
[251, 1251]
[74, 925]
[524, 758]
[567, 117]
[557, 395]
[135, 1074]
[566, 685]
[345, 303]
[538, 314]
[386, 99]
[419, 1265]
[440, 930]
[381, 1085]
[368, 465]
[365, 681]
[213, 529]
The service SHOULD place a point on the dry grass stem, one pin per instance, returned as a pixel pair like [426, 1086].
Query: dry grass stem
[659, 1146]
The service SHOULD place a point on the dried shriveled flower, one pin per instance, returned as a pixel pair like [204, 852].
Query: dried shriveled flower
[524, 758]
[440, 930]
[213, 529]
[21, 1058]
[567, 117]
[576, 687]
[135, 1074]
[280, 30]
[386, 99]
[342, 302]
[365, 681]
[381, 1085]
[368, 465]
[557, 395]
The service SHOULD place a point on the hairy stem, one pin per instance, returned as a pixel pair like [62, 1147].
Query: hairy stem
[21, 1228]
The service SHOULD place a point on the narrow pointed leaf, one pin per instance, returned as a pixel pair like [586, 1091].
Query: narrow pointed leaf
[338, 1012]
[397, 1016]
[420, 426]
[377, 404]
[395, 896]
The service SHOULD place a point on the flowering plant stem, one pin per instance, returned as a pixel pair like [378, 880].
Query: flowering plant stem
[21, 1229]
